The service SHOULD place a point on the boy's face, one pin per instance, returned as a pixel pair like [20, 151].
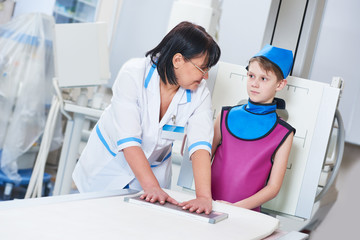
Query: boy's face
[261, 85]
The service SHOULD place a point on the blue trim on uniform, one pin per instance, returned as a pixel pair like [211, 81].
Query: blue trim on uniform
[165, 158]
[188, 95]
[129, 139]
[172, 128]
[148, 77]
[102, 139]
[199, 143]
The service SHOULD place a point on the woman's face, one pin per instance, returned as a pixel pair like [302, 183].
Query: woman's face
[190, 72]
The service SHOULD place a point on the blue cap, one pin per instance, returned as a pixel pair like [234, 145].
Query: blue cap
[280, 57]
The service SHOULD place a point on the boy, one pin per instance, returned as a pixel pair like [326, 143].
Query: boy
[251, 143]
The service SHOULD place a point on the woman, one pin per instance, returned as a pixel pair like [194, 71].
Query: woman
[156, 99]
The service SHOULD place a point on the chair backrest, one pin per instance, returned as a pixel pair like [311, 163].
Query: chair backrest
[311, 108]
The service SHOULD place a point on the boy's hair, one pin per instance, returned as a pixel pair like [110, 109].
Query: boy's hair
[267, 65]
[190, 40]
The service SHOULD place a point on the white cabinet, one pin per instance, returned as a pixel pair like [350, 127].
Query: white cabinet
[75, 11]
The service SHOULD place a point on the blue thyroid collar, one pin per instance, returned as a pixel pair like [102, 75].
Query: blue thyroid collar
[258, 108]
[251, 121]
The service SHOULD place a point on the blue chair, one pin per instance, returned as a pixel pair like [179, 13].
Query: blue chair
[25, 174]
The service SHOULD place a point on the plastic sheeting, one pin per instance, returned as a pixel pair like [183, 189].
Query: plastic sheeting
[26, 73]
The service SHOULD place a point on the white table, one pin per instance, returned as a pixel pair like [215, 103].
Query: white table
[107, 216]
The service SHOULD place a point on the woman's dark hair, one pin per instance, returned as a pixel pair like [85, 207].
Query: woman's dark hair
[190, 40]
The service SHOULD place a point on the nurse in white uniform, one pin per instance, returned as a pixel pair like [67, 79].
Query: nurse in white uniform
[156, 100]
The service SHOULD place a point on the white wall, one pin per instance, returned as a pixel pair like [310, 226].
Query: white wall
[142, 24]
[337, 54]
[108, 11]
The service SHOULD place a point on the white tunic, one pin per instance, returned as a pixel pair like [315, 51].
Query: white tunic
[132, 119]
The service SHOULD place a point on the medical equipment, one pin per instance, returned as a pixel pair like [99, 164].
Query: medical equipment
[26, 71]
[312, 111]
[81, 60]
[213, 217]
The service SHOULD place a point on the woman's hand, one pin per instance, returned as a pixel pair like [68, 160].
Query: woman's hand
[156, 194]
[200, 204]
[143, 173]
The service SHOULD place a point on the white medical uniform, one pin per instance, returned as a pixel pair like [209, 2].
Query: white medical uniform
[132, 119]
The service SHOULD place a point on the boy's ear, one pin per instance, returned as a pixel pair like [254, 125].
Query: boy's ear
[177, 60]
[281, 84]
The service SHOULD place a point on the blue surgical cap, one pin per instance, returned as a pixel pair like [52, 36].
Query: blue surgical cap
[280, 57]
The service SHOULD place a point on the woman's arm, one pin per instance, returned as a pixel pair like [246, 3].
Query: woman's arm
[200, 133]
[202, 176]
[143, 173]
[276, 178]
